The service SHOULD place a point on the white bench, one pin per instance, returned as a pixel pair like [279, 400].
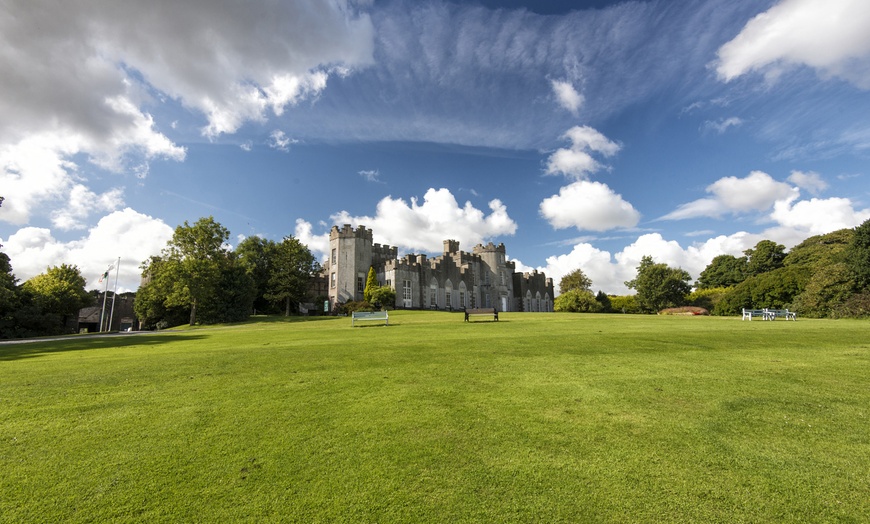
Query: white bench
[370, 315]
[773, 314]
[749, 313]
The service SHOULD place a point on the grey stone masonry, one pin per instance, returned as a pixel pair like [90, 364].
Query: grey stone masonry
[455, 280]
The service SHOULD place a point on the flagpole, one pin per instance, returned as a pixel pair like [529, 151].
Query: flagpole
[114, 293]
[103, 312]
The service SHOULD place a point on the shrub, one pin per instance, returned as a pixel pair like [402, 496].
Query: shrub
[577, 301]
[624, 304]
[706, 298]
[359, 305]
[685, 310]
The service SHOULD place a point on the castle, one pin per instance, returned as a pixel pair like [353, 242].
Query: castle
[457, 279]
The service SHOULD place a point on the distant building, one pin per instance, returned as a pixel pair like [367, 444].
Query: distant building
[457, 279]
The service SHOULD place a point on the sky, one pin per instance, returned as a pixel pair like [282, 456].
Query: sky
[582, 134]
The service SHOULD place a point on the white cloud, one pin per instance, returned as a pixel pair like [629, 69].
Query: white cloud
[567, 96]
[370, 175]
[830, 36]
[424, 226]
[590, 206]
[318, 244]
[78, 75]
[577, 161]
[722, 125]
[126, 233]
[280, 141]
[758, 191]
[809, 180]
[818, 216]
[82, 202]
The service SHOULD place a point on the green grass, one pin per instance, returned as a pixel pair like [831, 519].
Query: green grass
[536, 418]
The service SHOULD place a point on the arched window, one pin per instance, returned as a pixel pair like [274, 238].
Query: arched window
[433, 293]
[463, 296]
[448, 294]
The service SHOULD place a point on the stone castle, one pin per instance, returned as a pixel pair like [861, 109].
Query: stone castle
[455, 280]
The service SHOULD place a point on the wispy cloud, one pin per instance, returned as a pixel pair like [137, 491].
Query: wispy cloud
[371, 175]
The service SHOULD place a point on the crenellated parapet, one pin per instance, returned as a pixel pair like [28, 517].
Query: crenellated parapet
[347, 231]
[479, 249]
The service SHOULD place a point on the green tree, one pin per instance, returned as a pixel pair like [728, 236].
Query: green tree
[575, 280]
[774, 289]
[723, 271]
[371, 284]
[577, 301]
[604, 300]
[659, 286]
[59, 292]
[383, 297]
[858, 257]
[196, 255]
[233, 297]
[766, 256]
[290, 273]
[257, 256]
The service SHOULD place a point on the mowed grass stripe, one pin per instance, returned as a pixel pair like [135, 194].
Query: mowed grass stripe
[538, 417]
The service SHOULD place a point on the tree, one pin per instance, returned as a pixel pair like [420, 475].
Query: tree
[575, 280]
[659, 286]
[858, 257]
[577, 301]
[383, 297]
[59, 292]
[766, 256]
[196, 255]
[371, 284]
[723, 271]
[774, 289]
[291, 270]
[257, 256]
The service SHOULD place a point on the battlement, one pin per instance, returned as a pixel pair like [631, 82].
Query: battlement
[383, 253]
[451, 246]
[347, 231]
[489, 248]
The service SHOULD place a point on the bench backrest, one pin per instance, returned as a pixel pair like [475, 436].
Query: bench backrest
[481, 311]
[370, 314]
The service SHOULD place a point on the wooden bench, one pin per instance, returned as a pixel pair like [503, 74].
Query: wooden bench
[482, 311]
[370, 315]
[749, 313]
[773, 314]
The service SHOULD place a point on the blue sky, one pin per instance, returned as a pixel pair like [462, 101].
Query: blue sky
[580, 134]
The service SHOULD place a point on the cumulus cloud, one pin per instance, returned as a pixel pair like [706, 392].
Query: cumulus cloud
[567, 96]
[577, 161]
[79, 75]
[126, 233]
[809, 180]
[758, 191]
[422, 227]
[590, 206]
[831, 37]
[818, 216]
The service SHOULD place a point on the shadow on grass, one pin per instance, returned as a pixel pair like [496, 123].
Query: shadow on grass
[37, 348]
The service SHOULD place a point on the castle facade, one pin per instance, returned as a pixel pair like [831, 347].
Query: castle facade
[454, 280]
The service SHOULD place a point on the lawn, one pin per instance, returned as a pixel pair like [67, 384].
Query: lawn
[536, 418]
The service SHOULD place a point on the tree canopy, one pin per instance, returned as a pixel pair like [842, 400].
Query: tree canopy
[59, 292]
[575, 280]
[659, 286]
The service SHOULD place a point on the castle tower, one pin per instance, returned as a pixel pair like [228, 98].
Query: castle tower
[496, 277]
[350, 256]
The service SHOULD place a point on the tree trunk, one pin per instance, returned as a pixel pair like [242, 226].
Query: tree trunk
[287, 308]
[193, 313]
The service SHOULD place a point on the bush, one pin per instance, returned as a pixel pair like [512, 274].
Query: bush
[359, 305]
[624, 304]
[857, 306]
[577, 301]
[706, 298]
[685, 310]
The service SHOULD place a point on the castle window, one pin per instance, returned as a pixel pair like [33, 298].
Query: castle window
[332, 279]
[334, 257]
[360, 284]
[406, 290]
